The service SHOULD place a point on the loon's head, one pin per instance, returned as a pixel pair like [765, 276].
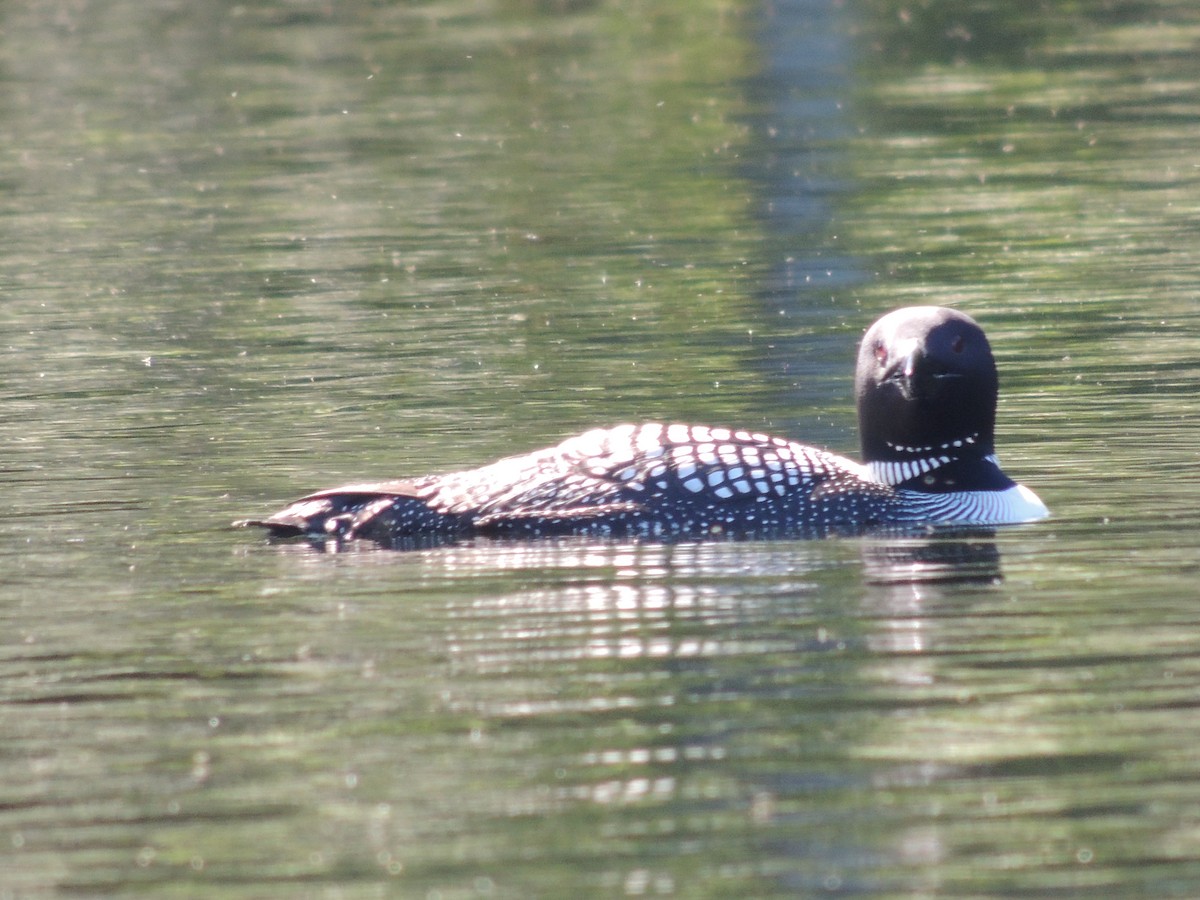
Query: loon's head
[926, 386]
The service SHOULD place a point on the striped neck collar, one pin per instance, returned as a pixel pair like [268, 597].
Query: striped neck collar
[907, 463]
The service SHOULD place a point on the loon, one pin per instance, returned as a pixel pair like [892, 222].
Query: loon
[926, 388]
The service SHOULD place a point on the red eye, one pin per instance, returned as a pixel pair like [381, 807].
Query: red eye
[957, 344]
[880, 353]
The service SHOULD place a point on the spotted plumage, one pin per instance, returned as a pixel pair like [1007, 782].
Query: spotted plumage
[926, 389]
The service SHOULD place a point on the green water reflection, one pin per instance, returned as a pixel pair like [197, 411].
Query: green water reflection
[251, 249]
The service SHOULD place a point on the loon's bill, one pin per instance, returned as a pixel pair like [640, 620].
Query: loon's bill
[926, 387]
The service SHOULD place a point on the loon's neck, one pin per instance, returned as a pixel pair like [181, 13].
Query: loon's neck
[942, 473]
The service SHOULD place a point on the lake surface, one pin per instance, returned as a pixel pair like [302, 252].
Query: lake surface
[251, 250]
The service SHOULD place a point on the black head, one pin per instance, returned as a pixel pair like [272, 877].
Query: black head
[926, 379]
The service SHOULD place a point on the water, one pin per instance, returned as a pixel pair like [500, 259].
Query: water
[252, 250]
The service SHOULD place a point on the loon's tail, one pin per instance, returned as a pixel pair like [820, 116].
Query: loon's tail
[383, 511]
